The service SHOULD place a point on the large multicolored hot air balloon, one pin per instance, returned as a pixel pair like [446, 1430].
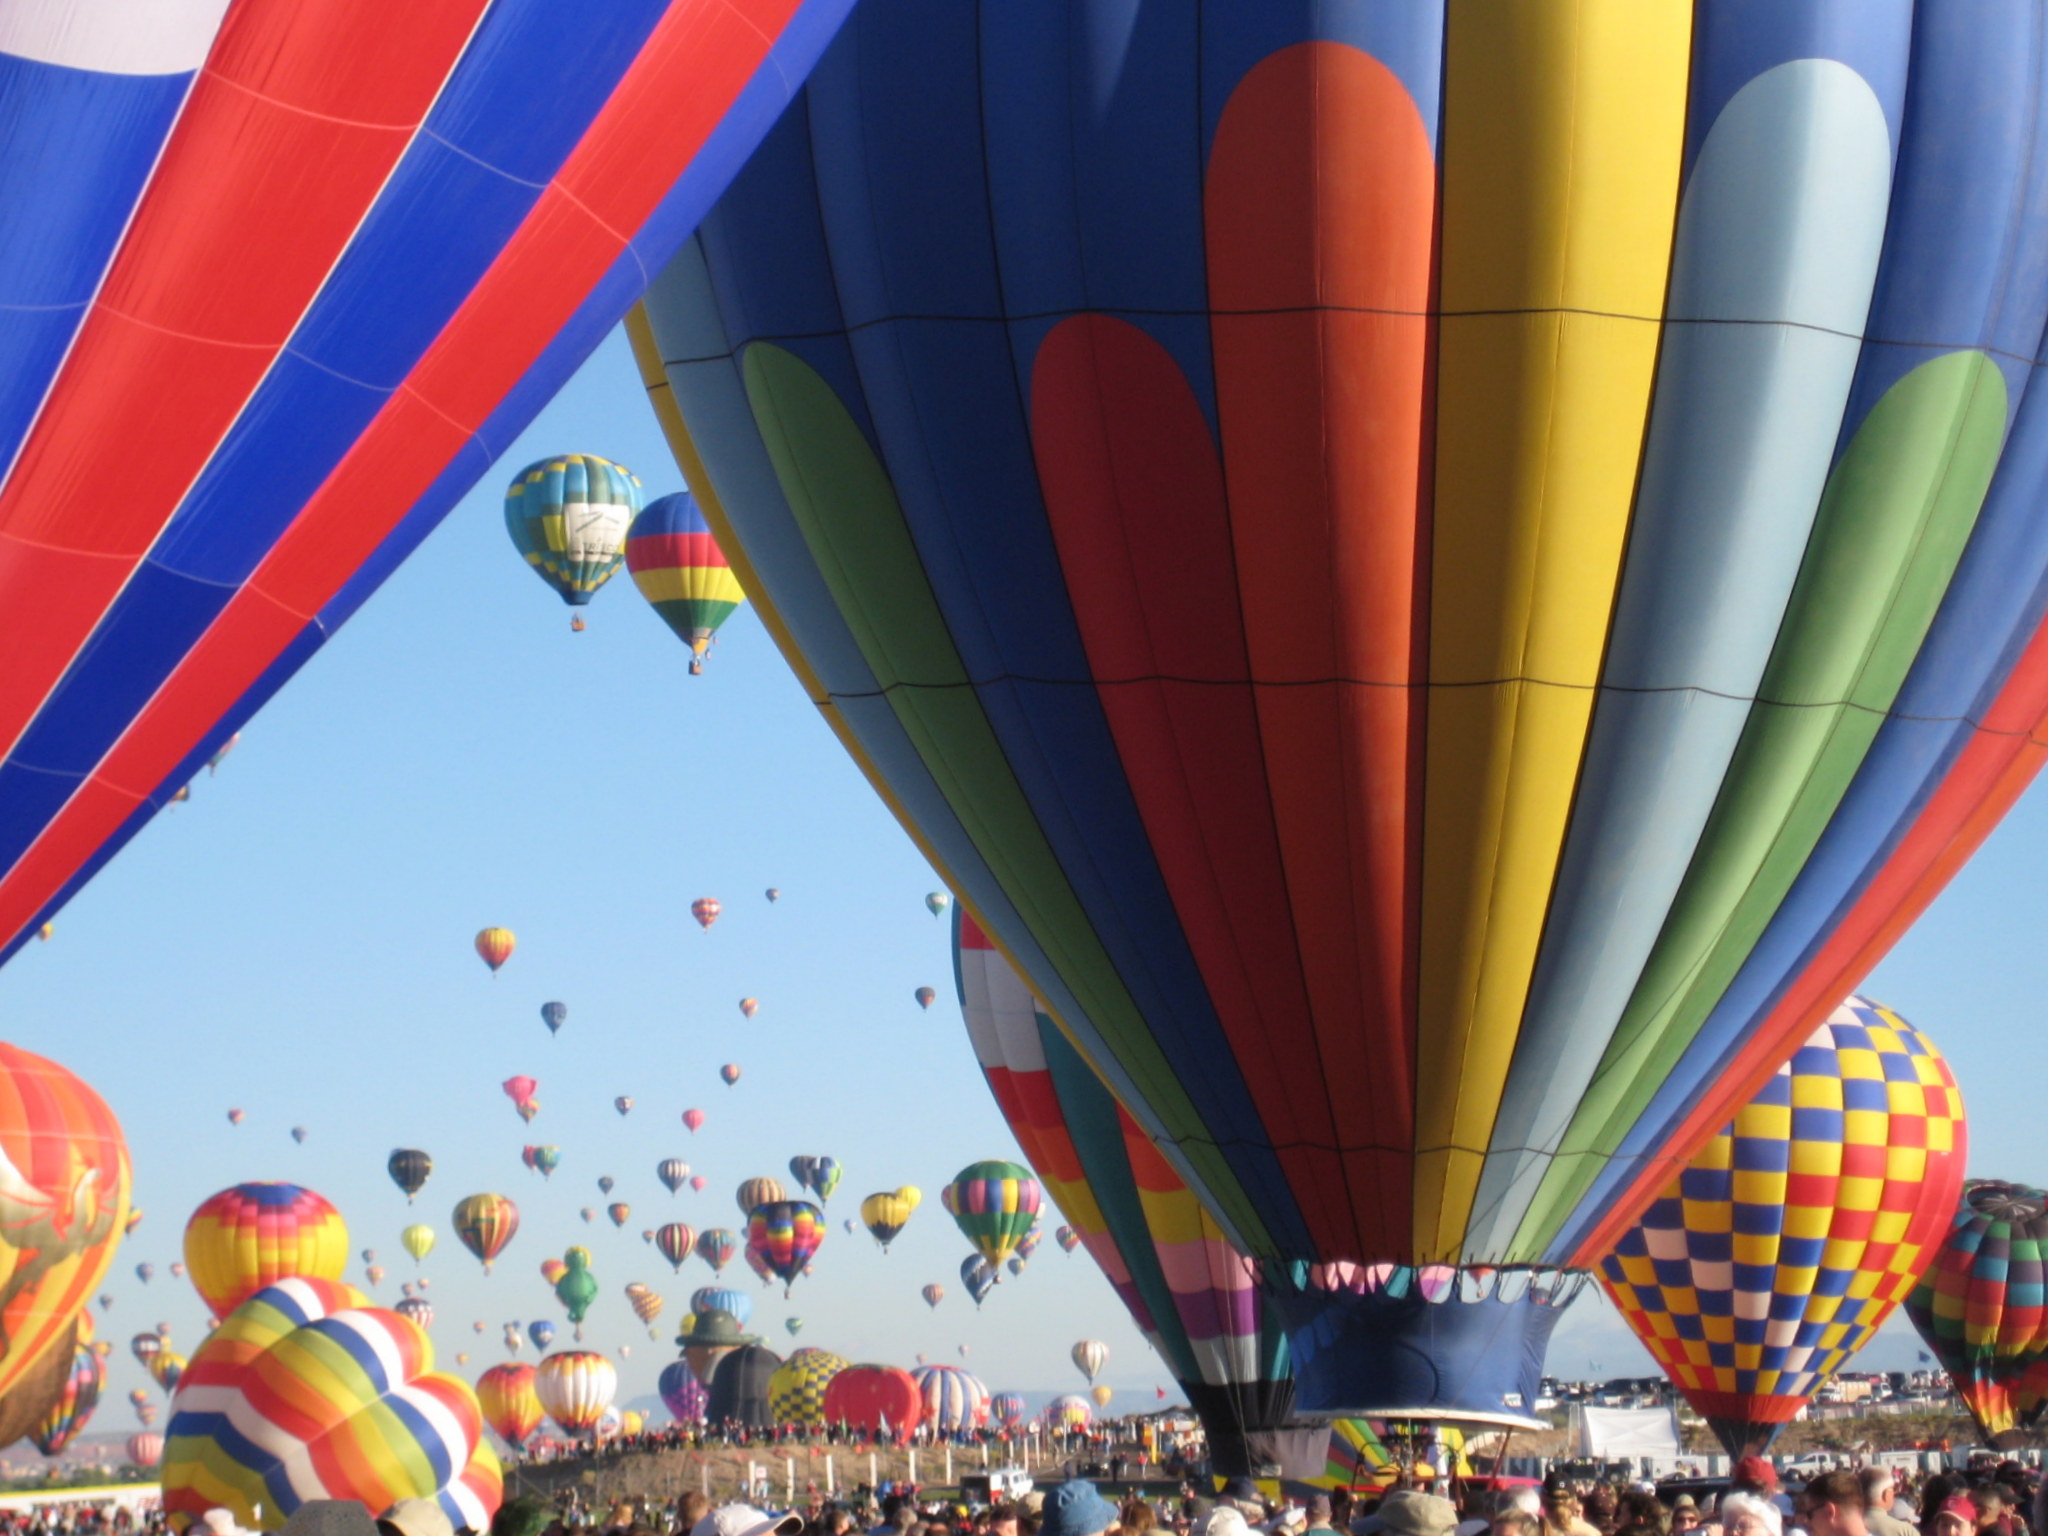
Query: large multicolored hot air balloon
[1979, 1306]
[784, 1235]
[252, 1235]
[494, 947]
[678, 567]
[175, 556]
[1192, 1294]
[485, 1224]
[885, 1215]
[505, 1394]
[994, 1204]
[1791, 1236]
[304, 1392]
[567, 516]
[1528, 630]
[64, 1188]
[576, 1387]
[74, 1403]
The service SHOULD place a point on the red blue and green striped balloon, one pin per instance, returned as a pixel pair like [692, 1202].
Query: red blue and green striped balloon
[679, 568]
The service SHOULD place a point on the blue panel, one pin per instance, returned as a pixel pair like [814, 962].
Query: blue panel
[76, 147]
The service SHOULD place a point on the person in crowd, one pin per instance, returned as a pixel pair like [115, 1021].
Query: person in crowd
[1075, 1508]
[1832, 1504]
[1880, 1489]
[1955, 1515]
[1322, 1516]
[1756, 1476]
[1750, 1514]
[1994, 1508]
[1561, 1510]
[1685, 1515]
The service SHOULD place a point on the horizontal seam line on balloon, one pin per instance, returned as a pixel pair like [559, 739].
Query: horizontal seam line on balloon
[307, 112]
[1358, 682]
[42, 309]
[1973, 345]
[208, 341]
[478, 160]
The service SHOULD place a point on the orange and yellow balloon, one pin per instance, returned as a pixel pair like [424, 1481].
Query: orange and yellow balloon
[253, 1235]
[494, 947]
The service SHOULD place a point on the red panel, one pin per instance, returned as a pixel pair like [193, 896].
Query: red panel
[259, 190]
[515, 311]
[1320, 207]
[1134, 496]
[1989, 775]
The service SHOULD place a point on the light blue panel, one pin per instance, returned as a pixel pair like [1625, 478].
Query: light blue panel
[1778, 241]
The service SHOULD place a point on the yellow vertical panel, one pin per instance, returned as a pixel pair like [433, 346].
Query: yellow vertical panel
[1563, 126]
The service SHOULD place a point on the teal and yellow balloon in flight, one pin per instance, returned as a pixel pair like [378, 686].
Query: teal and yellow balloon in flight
[568, 518]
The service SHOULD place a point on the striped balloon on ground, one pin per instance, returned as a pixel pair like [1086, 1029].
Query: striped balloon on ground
[679, 568]
[796, 1392]
[1982, 1306]
[344, 1405]
[955, 1401]
[1794, 1233]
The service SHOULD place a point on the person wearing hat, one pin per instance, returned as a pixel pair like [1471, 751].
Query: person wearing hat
[1957, 1516]
[745, 1520]
[1074, 1508]
[1685, 1514]
[1411, 1512]
[1754, 1475]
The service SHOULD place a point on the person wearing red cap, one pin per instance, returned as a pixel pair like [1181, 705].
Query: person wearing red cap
[1756, 1476]
[1957, 1516]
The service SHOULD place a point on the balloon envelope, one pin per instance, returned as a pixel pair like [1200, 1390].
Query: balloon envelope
[506, 1396]
[1978, 1305]
[1550, 715]
[252, 1235]
[680, 570]
[567, 516]
[576, 1388]
[485, 1224]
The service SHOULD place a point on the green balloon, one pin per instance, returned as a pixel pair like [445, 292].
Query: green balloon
[577, 1288]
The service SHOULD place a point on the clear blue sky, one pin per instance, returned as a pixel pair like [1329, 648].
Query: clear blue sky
[295, 941]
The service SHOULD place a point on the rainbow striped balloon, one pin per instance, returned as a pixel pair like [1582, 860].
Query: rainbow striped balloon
[994, 1204]
[345, 1405]
[254, 1235]
[74, 1404]
[783, 1235]
[679, 568]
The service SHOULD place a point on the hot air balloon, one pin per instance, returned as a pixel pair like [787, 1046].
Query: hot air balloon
[374, 1273]
[933, 1294]
[485, 1224]
[1192, 1294]
[730, 1073]
[144, 1449]
[418, 1308]
[749, 1006]
[619, 1212]
[818, 1174]
[143, 1272]
[681, 1393]
[547, 1158]
[1069, 1413]
[674, 1242]
[678, 567]
[1100, 1396]
[794, 1325]
[73, 1405]
[757, 1192]
[410, 1168]
[716, 1248]
[134, 1220]
[305, 1376]
[705, 909]
[758, 1263]
[145, 1347]
[166, 1369]
[872, 1397]
[404, 289]
[244, 1238]
[884, 1215]
[978, 1275]
[417, 1240]
[1008, 1409]
[693, 1119]
[796, 1391]
[774, 894]
[1834, 1184]
[177, 1269]
[1067, 1238]
[623, 1105]
[721, 1298]
[236, 1117]
[494, 947]
[605, 1183]
[588, 1213]
[567, 516]
[1978, 1306]
[994, 1204]
[953, 1400]
[925, 996]
[647, 1307]
[698, 1183]
[554, 1015]
[673, 1172]
[936, 903]
[542, 1333]
[1089, 1357]
[1631, 794]
[521, 1090]
[506, 1397]
[299, 1134]
[576, 1288]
